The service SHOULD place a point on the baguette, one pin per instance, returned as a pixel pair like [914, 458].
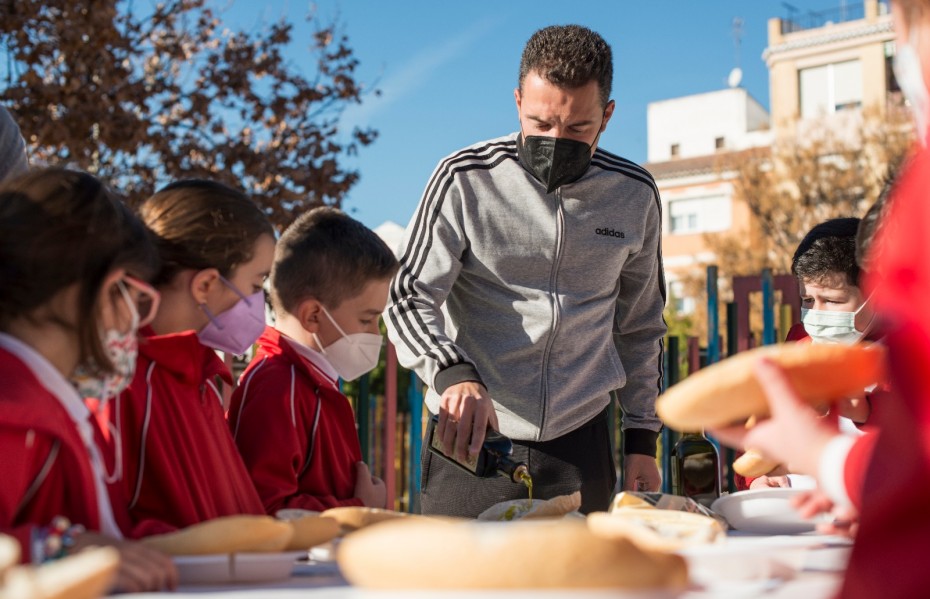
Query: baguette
[229, 534]
[524, 509]
[9, 553]
[728, 392]
[539, 554]
[656, 529]
[352, 518]
[85, 575]
[310, 531]
[753, 464]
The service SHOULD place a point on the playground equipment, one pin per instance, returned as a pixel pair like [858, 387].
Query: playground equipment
[739, 337]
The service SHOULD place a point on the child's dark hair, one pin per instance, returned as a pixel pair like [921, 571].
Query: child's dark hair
[201, 224]
[827, 249]
[60, 228]
[327, 255]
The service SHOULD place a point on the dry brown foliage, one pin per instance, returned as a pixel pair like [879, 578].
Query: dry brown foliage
[800, 182]
[142, 94]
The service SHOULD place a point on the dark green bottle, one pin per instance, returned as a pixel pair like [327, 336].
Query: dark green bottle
[495, 457]
[696, 468]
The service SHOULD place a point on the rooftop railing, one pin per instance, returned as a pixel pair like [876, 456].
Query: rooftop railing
[800, 21]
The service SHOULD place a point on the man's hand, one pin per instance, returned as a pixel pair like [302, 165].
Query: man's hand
[795, 435]
[370, 489]
[641, 473]
[465, 413]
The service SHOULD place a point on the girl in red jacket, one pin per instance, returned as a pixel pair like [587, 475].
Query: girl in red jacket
[71, 299]
[180, 465]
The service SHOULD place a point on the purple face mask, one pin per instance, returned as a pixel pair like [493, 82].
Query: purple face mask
[235, 330]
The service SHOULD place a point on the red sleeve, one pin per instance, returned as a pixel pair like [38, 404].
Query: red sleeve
[857, 462]
[273, 445]
[24, 455]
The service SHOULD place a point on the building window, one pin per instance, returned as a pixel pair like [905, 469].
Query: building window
[719, 143]
[679, 300]
[699, 215]
[830, 88]
[675, 150]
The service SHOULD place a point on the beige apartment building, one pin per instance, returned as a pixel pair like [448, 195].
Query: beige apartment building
[824, 68]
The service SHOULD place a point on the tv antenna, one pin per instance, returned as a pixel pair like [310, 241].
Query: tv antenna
[736, 75]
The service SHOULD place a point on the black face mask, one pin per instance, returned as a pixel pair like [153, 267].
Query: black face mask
[554, 161]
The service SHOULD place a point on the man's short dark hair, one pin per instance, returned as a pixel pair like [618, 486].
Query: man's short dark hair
[569, 56]
[827, 249]
[327, 255]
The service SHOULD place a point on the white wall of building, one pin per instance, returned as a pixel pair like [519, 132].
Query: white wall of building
[702, 124]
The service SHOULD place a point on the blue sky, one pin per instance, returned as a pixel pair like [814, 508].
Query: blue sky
[447, 70]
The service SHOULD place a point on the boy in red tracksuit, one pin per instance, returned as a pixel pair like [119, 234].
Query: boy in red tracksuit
[292, 425]
[834, 309]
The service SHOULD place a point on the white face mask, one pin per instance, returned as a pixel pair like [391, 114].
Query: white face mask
[909, 73]
[830, 326]
[352, 355]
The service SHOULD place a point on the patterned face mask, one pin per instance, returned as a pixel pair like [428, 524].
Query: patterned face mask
[122, 350]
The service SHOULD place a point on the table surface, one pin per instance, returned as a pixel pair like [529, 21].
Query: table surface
[747, 566]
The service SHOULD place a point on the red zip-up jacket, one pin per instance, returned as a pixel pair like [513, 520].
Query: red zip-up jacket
[45, 467]
[180, 464]
[295, 430]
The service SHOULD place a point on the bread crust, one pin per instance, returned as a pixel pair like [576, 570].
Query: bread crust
[660, 530]
[310, 531]
[85, 575]
[753, 464]
[728, 392]
[437, 554]
[352, 518]
[229, 534]
[522, 509]
[9, 553]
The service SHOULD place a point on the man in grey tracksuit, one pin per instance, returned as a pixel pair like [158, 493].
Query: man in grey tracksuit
[531, 286]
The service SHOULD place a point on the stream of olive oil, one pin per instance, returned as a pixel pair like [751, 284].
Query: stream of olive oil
[527, 480]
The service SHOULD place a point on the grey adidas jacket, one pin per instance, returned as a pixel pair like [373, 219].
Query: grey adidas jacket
[550, 300]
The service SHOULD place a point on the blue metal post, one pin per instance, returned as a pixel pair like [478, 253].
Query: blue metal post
[768, 308]
[415, 402]
[713, 316]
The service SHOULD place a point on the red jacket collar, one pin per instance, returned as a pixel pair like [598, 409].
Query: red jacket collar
[273, 343]
[183, 355]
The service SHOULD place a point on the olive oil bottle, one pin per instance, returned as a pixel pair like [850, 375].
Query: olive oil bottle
[494, 459]
[696, 468]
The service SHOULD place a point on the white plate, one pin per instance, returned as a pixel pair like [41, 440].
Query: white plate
[236, 567]
[763, 511]
[714, 565]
